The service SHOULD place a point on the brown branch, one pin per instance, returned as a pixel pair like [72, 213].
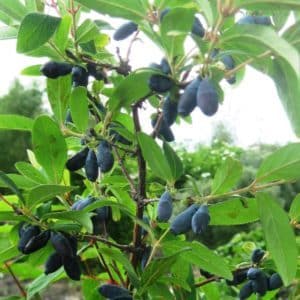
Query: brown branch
[141, 192]
[127, 248]
[157, 125]
[206, 281]
[16, 280]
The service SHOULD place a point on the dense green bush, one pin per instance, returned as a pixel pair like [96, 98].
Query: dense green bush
[93, 170]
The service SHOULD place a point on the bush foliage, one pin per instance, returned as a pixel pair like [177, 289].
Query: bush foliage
[95, 177]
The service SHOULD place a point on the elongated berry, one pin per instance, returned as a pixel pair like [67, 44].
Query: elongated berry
[165, 207]
[53, 263]
[37, 242]
[91, 166]
[61, 244]
[125, 31]
[53, 69]
[82, 203]
[239, 276]
[164, 131]
[183, 222]
[169, 110]
[80, 76]
[113, 291]
[145, 257]
[207, 97]
[105, 158]
[164, 66]
[200, 220]
[262, 20]
[27, 233]
[198, 28]
[160, 83]
[274, 282]
[246, 290]
[72, 267]
[260, 284]
[246, 20]
[257, 255]
[188, 100]
[77, 161]
[96, 72]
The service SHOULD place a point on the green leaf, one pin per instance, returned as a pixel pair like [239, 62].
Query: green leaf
[11, 185]
[46, 192]
[87, 31]
[288, 88]
[295, 209]
[7, 33]
[80, 217]
[15, 122]
[118, 256]
[128, 91]
[227, 176]
[157, 268]
[13, 8]
[129, 9]
[90, 289]
[49, 147]
[59, 93]
[279, 235]
[35, 30]
[283, 164]
[266, 38]
[173, 32]
[27, 170]
[173, 160]
[200, 256]
[61, 36]
[234, 211]
[41, 283]
[79, 108]
[32, 71]
[8, 254]
[154, 157]
[267, 4]
[20, 181]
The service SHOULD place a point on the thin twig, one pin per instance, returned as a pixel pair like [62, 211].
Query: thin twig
[117, 271]
[131, 45]
[157, 126]
[16, 280]
[103, 262]
[110, 243]
[125, 173]
[206, 281]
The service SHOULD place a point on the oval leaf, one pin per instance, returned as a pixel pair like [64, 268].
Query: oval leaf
[279, 235]
[234, 212]
[155, 157]
[35, 30]
[49, 147]
[227, 176]
[283, 164]
[79, 108]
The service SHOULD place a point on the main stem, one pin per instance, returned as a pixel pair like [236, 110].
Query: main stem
[141, 190]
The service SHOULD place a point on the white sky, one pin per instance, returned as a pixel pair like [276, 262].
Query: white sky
[251, 111]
